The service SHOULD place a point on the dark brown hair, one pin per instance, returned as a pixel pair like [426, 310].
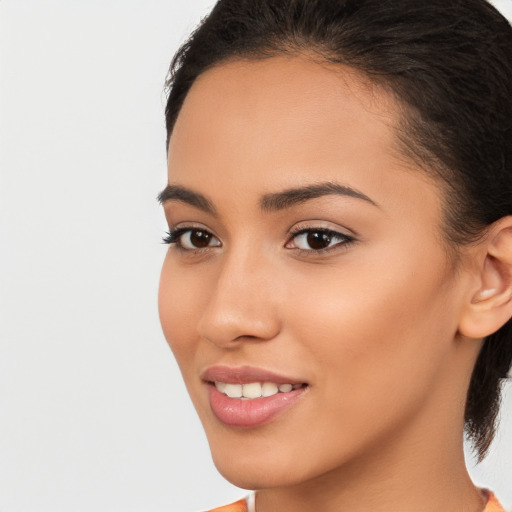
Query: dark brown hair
[449, 63]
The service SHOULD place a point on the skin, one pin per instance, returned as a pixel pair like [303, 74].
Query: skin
[372, 325]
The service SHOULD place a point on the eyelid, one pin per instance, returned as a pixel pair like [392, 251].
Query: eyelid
[321, 225]
[346, 238]
[174, 235]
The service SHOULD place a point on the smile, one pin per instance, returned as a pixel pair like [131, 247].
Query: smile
[253, 390]
[247, 397]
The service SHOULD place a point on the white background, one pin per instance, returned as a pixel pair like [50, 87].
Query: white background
[93, 414]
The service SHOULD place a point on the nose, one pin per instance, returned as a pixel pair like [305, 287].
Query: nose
[243, 305]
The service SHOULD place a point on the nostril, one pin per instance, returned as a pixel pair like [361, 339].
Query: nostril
[246, 337]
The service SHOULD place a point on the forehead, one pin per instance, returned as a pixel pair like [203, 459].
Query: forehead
[248, 128]
[281, 102]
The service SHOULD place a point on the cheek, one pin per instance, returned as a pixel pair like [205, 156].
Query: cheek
[179, 298]
[368, 328]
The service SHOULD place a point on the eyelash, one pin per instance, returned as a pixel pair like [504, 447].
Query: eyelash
[344, 243]
[174, 237]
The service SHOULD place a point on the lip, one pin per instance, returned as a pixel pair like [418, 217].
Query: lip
[234, 412]
[245, 375]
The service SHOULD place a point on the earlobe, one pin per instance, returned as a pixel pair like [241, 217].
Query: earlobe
[490, 307]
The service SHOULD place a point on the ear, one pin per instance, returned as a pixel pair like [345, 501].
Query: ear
[490, 305]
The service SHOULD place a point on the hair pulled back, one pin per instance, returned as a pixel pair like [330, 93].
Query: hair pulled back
[449, 64]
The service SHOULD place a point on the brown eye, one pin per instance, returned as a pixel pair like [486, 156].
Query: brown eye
[318, 240]
[200, 239]
[190, 239]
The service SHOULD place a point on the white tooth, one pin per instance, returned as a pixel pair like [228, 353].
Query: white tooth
[297, 386]
[284, 388]
[233, 390]
[221, 386]
[251, 390]
[269, 389]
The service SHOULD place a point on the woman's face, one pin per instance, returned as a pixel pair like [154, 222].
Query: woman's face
[307, 254]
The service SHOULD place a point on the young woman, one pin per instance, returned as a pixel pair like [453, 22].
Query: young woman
[338, 286]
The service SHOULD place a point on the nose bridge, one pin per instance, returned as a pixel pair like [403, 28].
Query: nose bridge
[242, 304]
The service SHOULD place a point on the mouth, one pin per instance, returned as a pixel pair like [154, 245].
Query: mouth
[254, 390]
[247, 397]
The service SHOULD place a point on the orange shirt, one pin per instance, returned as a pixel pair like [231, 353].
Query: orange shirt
[493, 505]
[238, 506]
[241, 506]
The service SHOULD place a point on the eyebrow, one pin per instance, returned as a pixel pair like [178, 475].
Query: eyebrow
[291, 197]
[269, 202]
[185, 195]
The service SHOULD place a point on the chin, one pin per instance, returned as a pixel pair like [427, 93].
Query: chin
[252, 461]
[249, 474]
[245, 461]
